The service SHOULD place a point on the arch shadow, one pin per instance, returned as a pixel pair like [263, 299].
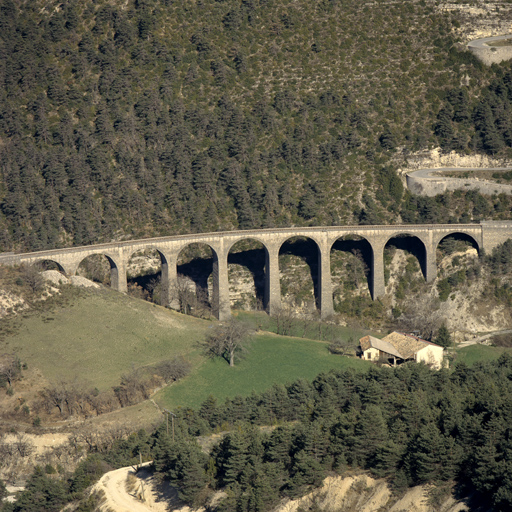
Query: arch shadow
[48, 264]
[99, 268]
[306, 249]
[197, 267]
[149, 280]
[253, 259]
[455, 242]
[413, 245]
[361, 249]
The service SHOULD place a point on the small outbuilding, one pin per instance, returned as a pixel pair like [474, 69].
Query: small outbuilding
[398, 347]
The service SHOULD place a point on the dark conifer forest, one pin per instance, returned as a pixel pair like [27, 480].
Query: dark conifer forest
[155, 117]
[131, 118]
[411, 425]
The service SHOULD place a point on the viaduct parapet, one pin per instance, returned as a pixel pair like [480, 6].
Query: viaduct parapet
[429, 182]
[486, 52]
[485, 236]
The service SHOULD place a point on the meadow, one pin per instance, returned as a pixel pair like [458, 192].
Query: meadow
[271, 359]
[99, 335]
[93, 337]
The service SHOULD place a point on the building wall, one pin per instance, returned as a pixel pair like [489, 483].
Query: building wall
[431, 355]
[371, 354]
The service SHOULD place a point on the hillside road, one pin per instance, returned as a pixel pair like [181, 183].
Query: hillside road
[119, 499]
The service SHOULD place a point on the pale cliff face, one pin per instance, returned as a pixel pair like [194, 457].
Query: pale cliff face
[480, 19]
[436, 158]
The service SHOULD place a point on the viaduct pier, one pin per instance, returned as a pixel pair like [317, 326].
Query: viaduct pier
[484, 236]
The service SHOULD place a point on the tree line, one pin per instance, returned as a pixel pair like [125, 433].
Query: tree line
[409, 424]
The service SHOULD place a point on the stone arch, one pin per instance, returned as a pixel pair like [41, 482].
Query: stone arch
[458, 236]
[229, 246]
[413, 244]
[416, 252]
[195, 284]
[253, 255]
[305, 288]
[48, 264]
[147, 274]
[351, 265]
[101, 268]
[452, 243]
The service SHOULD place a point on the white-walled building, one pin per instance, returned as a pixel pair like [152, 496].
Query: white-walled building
[398, 347]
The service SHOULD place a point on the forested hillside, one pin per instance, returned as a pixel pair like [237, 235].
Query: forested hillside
[411, 425]
[148, 117]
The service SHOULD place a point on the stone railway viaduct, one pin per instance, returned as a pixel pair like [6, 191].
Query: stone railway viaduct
[484, 236]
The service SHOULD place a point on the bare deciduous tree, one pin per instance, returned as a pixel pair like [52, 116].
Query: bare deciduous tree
[307, 319]
[32, 278]
[173, 369]
[284, 318]
[422, 317]
[98, 441]
[183, 294]
[68, 397]
[23, 446]
[55, 396]
[10, 369]
[135, 386]
[225, 340]
[342, 347]
[104, 402]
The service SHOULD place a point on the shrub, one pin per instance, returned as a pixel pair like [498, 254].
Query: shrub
[173, 370]
[502, 340]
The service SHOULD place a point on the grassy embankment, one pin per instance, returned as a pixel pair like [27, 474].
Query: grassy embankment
[478, 353]
[99, 335]
[96, 336]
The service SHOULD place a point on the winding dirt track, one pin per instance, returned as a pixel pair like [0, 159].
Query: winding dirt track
[118, 499]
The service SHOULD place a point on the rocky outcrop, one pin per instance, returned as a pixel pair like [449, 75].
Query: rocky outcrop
[479, 18]
[366, 494]
[436, 158]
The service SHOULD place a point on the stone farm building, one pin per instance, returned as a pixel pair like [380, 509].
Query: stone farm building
[397, 347]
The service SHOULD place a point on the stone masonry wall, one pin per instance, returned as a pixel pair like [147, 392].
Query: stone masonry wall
[432, 186]
[491, 54]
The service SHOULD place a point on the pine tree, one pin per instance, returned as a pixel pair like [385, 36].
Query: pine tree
[371, 434]
[192, 474]
[209, 412]
[443, 337]
[444, 129]
[41, 493]
[232, 458]
[278, 446]
[305, 471]
[386, 459]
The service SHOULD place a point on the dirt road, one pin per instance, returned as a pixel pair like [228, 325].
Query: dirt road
[119, 499]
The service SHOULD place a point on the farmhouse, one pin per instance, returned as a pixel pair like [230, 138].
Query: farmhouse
[397, 347]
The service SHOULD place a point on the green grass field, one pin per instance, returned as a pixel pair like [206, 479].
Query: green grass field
[99, 335]
[314, 330]
[96, 336]
[271, 359]
[475, 353]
